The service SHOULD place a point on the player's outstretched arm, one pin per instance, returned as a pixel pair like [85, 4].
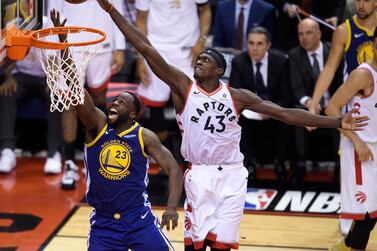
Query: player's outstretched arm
[176, 79]
[245, 99]
[166, 160]
[92, 118]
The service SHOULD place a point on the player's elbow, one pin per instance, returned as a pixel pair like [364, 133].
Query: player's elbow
[329, 110]
[286, 116]
[176, 171]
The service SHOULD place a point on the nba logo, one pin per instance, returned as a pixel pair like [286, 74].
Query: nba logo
[259, 199]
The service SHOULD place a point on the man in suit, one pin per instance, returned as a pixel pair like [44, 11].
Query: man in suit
[306, 62]
[263, 71]
[234, 18]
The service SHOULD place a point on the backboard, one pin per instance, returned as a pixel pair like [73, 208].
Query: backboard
[25, 15]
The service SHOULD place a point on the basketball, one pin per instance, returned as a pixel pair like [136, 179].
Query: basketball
[75, 1]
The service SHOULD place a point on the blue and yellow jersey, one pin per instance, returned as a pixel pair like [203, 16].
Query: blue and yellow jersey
[359, 44]
[117, 171]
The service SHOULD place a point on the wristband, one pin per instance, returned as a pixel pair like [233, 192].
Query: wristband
[204, 37]
[340, 123]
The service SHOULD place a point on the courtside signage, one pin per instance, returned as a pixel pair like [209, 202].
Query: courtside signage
[259, 199]
[311, 202]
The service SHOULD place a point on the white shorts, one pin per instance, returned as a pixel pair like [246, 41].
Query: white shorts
[358, 182]
[98, 71]
[215, 200]
[157, 93]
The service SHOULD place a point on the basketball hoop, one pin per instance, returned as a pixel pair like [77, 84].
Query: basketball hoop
[63, 62]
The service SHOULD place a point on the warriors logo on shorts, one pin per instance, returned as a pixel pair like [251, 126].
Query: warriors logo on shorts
[115, 159]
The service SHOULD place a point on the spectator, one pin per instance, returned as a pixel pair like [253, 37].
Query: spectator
[110, 59]
[27, 81]
[234, 19]
[265, 72]
[178, 30]
[306, 62]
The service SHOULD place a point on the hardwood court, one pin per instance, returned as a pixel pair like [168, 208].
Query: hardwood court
[258, 232]
[35, 214]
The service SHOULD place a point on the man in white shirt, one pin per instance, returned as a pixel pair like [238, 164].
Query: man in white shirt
[306, 63]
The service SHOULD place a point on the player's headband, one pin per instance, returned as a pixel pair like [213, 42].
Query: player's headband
[218, 57]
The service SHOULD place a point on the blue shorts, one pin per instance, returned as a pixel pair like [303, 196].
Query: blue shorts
[116, 232]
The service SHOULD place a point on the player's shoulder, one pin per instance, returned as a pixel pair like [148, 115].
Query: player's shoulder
[362, 74]
[148, 136]
[240, 95]
[342, 28]
[341, 35]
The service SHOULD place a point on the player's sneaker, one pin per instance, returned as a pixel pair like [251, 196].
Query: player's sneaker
[71, 175]
[7, 160]
[340, 246]
[53, 165]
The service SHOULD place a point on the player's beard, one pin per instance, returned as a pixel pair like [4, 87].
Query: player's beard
[122, 119]
[365, 15]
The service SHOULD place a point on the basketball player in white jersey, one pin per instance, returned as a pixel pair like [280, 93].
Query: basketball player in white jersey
[359, 167]
[207, 114]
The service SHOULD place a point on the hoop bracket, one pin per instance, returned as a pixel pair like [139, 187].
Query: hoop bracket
[17, 43]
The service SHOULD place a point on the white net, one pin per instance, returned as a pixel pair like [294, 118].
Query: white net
[65, 69]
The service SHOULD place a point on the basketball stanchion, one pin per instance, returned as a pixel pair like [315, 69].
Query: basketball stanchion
[63, 62]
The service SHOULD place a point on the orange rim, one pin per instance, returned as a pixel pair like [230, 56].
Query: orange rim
[35, 37]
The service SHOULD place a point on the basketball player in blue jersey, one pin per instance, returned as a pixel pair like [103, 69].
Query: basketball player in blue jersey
[207, 113]
[117, 151]
[352, 40]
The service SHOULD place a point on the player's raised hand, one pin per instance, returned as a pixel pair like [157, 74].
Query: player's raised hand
[55, 18]
[354, 123]
[169, 215]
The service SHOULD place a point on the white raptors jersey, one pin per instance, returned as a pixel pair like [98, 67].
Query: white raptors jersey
[210, 132]
[368, 107]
